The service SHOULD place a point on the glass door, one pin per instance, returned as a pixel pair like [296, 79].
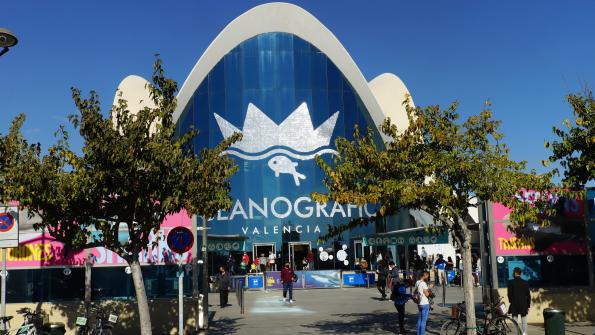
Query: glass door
[262, 252]
[298, 252]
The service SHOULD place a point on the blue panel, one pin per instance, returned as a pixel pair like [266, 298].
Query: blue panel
[277, 72]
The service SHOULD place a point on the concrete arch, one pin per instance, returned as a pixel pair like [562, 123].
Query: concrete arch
[286, 18]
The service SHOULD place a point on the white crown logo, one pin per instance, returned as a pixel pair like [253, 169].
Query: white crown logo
[296, 132]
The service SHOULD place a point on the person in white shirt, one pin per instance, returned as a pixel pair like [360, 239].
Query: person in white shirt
[424, 254]
[423, 290]
[272, 259]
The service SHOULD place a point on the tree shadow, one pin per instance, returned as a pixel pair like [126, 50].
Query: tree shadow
[577, 302]
[164, 314]
[378, 322]
[224, 325]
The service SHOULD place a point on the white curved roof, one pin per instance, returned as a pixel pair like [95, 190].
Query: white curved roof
[390, 93]
[286, 18]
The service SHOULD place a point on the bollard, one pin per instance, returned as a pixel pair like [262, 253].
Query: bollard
[201, 315]
[553, 320]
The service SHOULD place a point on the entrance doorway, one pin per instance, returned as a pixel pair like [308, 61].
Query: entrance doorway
[297, 252]
[265, 249]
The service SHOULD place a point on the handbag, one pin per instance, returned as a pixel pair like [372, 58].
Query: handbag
[415, 295]
[295, 278]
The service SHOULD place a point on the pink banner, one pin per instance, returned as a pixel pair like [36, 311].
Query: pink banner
[508, 244]
[40, 250]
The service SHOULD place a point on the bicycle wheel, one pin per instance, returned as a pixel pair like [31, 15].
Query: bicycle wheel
[503, 325]
[452, 327]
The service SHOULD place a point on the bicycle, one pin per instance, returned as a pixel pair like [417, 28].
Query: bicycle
[495, 321]
[5, 325]
[32, 322]
[104, 323]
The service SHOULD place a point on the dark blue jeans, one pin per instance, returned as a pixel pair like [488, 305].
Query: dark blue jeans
[424, 310]
[288, 287]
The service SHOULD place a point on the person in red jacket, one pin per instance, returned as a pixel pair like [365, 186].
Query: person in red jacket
[287, 278]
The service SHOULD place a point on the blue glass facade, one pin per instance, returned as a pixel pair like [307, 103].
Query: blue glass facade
[272, 75]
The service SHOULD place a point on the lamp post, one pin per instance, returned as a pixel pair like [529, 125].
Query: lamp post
[204, 302]
[7, 40]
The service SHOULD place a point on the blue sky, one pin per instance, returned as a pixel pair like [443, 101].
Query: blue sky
[524, 56]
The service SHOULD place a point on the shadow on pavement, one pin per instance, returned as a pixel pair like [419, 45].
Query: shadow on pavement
[223, 326]
[375, 323]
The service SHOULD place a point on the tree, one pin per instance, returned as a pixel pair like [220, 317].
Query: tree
[438, 164]
[575, 151]
[16, 157]
[132, 173]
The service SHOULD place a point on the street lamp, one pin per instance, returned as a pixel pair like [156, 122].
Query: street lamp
[203, 318]
[7, 40]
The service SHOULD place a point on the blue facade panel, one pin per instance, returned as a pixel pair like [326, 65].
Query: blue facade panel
[291, 102]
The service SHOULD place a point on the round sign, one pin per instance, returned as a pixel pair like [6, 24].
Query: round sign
[331, 257]
[67, 271]
[344, 247]
[346, 262]
[128, 270]
[180, 240]
[550, 258]
[341, 255]
[323, 256]
[500, 259]
[6, 222]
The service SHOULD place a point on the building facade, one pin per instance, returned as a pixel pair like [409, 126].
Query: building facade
[287, 84]
[281, 78]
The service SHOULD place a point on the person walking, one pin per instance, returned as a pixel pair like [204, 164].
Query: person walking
[400, 297]
[287, 278]
[424, 254]
[382, 273]
[262, 263]
[393, 276]
[519, 298]
[223, 282]
[272, 260]
[440, 265]
[450, 265]
[245, 264]
[231, 264]
[475, 269]
[418, 266]
[421, 294]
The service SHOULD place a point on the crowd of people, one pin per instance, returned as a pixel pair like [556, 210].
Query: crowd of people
[399, 286]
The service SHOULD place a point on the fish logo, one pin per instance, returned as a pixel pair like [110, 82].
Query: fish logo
[294, 138]
[282, 164]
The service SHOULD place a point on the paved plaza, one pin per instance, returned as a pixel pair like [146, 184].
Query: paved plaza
[333, 311]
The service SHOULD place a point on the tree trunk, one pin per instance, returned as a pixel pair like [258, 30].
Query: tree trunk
[468, 284]
[141, 298]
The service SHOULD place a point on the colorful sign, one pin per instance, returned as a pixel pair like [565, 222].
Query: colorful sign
[41, 250]
[322, 279]
[508, 244]
[255, 282]
[357, 279]
[9, 227]
[274, 280]
[412, 237]
[180, 240]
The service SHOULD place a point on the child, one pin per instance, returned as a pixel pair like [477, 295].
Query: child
[400, 296]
